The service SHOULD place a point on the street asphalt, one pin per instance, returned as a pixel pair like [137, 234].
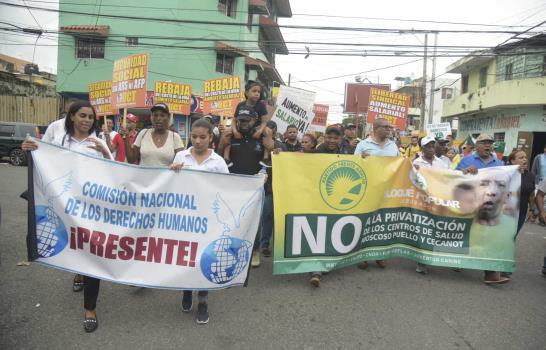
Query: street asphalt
[394, 308]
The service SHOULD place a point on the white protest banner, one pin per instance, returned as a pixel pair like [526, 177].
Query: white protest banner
[439, 130]
[294, 106]
[142, 226]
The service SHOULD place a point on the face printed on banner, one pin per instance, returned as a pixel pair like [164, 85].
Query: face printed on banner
[83, 119]
[292, 134]
[465, 194]
[491, 193]
[160, 119]
[200, 139]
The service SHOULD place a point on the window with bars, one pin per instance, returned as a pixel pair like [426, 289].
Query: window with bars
[228, 7]
[224, 63]
[483, 76]
[508, 71]
[131, 41]
[89, 48]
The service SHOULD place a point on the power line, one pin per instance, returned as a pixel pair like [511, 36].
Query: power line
[240, 24]
[297, 14]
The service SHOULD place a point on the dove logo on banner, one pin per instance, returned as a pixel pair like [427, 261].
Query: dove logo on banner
[225, 258]
[51, 233]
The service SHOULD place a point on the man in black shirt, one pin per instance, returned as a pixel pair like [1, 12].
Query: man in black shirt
[332, 145]
[292, 144]
[247, 153]
[350, 140]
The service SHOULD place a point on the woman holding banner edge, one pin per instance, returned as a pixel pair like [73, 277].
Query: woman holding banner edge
[80, 125]
[199, 157]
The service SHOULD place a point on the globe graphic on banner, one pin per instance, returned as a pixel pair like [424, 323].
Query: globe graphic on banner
[51, 233]
[224, 259]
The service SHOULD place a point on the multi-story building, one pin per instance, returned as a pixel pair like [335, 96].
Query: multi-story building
[188, 41]
[503, 93]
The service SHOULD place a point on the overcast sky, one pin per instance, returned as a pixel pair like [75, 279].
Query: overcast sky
[501, 12]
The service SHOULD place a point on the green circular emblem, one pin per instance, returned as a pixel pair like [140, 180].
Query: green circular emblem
[343, 185]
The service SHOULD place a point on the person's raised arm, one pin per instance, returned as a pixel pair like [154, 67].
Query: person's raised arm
[225, 139]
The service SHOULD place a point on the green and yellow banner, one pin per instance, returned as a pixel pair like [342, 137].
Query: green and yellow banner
[333, 211]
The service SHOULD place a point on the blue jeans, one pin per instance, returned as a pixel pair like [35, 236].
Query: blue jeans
[267, 221]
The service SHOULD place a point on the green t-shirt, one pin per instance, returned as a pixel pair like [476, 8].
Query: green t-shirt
[495, 242]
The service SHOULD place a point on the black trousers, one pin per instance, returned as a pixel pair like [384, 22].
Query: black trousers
[90, 292]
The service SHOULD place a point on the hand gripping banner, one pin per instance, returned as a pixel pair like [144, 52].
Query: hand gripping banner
[142, 226]
[341, 209]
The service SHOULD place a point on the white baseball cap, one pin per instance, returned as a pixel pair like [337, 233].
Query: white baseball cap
[426, 140]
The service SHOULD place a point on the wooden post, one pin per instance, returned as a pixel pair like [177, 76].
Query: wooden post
[125, 117]
[171, 121]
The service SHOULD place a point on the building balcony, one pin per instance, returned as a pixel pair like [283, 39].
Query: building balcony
[509, 93]
[273, 35]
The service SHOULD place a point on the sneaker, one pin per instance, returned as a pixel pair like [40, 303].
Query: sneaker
[255, 259]
[229, 163]
[202, 316]
[266, 252]
[187, 301]
[315, 280]
[421, 268]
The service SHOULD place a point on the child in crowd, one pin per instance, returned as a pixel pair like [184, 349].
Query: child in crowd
[199, 157]
[254, 100]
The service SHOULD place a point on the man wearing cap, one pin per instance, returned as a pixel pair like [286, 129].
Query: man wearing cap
[350, 140]
[246, 153]
[483, 158]
[441, 150]
[333, 141]
[428, 159]
[377, 144]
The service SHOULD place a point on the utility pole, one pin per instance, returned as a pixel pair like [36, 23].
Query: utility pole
[424, 87]
[432, 81]
[289, 78]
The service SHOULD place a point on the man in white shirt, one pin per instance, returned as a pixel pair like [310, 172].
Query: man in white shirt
[428, 157]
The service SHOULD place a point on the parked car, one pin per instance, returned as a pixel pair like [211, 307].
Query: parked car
[12, 136]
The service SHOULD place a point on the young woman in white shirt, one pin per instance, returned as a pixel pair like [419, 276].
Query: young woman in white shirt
[199, 157]
[81, 126]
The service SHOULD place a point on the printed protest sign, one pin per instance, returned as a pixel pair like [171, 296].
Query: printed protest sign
[294, 106]
[389, 105]
[439, 130]
[177, 96]
[100, 95]
[222, 95]
[129, 78]
[146, 226]
[318, 124]
[351, 209]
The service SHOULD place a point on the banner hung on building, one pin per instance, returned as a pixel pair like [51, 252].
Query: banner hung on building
[149, 227]
[350, 209]
[294, 107]
[177, 96]
[222, 95]
[100, 97]
[390, 105]
[129, 78]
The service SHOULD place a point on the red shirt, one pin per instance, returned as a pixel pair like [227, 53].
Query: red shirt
[118, 141]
